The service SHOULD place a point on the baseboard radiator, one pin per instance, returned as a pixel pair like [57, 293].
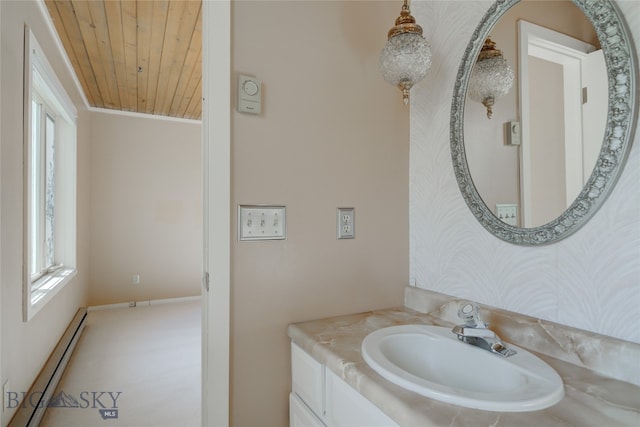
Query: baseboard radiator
[29, 412]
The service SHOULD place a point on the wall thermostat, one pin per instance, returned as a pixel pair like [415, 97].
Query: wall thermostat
[249, 94]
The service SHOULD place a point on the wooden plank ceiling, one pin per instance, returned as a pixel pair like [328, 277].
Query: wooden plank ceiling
[135, 55]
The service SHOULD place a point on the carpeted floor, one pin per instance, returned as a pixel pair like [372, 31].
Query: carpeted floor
[133, 367]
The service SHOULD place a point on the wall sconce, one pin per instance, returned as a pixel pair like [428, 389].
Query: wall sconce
[491, 78]
[406, 57]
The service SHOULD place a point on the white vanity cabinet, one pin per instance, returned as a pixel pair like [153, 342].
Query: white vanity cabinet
[300, 415]
[321, 398]
[307, 399]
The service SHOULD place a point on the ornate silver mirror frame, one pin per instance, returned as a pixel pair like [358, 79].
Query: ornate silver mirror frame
[620, 59]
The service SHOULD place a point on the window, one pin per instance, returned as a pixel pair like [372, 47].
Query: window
[50, 181]
[42, 189]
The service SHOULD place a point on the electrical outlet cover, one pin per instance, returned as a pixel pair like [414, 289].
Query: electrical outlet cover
[346, 223]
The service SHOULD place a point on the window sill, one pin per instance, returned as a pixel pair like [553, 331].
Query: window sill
[45, 288]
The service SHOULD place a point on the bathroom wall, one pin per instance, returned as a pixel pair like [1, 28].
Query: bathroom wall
[332, 134]
[146, 207]
[27, 345]
[591, 280]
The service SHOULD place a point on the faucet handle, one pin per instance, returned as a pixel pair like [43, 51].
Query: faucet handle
[470, 313]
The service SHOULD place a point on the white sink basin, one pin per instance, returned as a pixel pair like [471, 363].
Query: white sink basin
[431, 361]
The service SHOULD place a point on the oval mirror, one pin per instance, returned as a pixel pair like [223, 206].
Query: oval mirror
[557, 140]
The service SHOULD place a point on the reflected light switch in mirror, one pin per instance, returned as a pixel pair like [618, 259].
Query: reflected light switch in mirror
[513, 133]
[507, 213]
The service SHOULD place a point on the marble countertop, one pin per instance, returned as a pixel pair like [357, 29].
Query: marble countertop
[591, 399]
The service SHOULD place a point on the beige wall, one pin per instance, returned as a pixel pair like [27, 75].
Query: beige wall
[26, 346]
[146, 208]
[332, 133]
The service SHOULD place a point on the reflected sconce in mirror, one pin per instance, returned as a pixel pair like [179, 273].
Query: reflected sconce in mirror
[491, 78]
[406, 57]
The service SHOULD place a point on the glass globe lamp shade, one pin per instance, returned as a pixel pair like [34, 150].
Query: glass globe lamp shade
[491, 77]
[405, 60]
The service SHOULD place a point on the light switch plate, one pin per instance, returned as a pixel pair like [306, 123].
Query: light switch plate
[507, 213]
[513, 133]
[346, 223]
[261, 222]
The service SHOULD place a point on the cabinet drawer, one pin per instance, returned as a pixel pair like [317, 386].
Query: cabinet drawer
[307, 379]
[300, 415]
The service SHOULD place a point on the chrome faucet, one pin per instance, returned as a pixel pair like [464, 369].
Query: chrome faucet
[476, 332]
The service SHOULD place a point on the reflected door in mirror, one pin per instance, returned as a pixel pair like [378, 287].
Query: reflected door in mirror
[562, 124]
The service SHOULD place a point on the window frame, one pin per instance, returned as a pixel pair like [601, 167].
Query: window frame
[39, 155]
[42, 86]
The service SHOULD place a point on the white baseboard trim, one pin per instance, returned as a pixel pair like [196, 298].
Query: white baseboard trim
[172, 300]
[43, 388]
[144, 303]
